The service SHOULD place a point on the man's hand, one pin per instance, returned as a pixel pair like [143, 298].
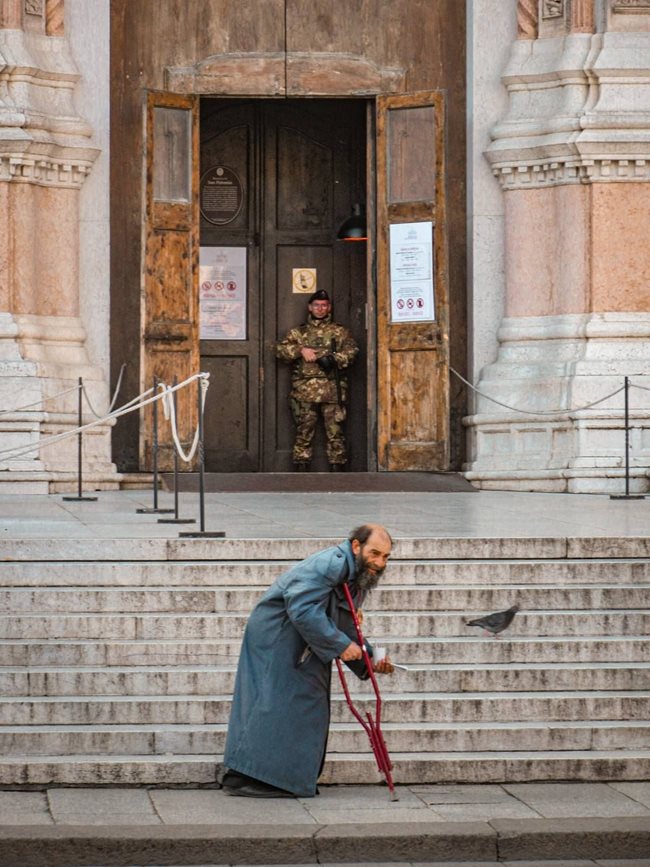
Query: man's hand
[384, 667]
[352, 651]
[308, 354]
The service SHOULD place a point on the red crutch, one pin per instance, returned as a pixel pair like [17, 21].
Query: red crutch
[371, 726]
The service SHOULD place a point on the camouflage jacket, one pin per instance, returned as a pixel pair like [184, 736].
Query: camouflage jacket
[309, 382]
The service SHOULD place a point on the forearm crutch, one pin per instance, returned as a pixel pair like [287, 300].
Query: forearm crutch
[371, 725]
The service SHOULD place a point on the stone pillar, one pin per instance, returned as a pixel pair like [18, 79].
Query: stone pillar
[46, 154]
[572, 156]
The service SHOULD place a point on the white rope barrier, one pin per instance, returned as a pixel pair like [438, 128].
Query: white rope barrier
[115, 394]
[170, 414]
[539, 411]
[131, 406]
[38, 402]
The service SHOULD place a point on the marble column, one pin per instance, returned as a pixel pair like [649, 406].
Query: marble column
[46, 154]
[572, 155]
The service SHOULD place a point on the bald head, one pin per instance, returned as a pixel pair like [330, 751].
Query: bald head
[365, 531]
[371, 546]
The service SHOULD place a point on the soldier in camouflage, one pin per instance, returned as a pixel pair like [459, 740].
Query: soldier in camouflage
[319, 350]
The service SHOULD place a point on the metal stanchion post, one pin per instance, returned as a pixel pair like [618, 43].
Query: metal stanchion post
[80, 496]
[202, 533]
[627, 495]
[176, 519]
[154, 459]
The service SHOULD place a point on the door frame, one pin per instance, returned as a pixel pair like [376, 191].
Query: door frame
[367, 175]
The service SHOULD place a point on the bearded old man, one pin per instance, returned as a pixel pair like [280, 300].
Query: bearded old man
[279, 721]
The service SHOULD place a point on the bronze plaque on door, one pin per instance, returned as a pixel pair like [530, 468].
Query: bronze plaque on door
[222, 195]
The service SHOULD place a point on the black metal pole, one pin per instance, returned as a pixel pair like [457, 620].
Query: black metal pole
[175, 473]
[176, 519]
[80, 444]
[218, 534]
[154, 457]
[201, 456]
[627, 495]
[627, 437]
[80, 440]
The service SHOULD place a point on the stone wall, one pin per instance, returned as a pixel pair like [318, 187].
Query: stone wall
[47, 151]
[572, 155]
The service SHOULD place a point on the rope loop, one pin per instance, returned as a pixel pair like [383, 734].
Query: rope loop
[539, 411]
[170, 413]
[141, 400]
[114, 398]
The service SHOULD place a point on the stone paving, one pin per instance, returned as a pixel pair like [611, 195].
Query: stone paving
[364, 809]
[287, 515]
[335, 805]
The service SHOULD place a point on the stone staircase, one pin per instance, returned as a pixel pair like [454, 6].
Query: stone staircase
[117, 660]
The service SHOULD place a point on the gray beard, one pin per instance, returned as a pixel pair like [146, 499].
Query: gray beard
[366, 580]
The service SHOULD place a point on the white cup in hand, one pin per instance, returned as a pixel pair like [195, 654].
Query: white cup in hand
[378, 654]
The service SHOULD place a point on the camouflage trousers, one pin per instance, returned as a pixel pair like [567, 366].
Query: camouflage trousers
[305, 415]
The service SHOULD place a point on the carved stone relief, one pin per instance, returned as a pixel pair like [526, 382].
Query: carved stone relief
[34, 7]
[527, 12]
[552, 9]
[632, 6]
[54, 17]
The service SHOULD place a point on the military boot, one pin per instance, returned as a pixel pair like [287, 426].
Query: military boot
[301, 467]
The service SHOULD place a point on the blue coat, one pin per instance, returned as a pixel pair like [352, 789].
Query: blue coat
[280, 713]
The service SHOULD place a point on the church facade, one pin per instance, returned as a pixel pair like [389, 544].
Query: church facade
[174, 176]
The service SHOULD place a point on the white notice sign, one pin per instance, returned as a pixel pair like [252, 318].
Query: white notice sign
[411, 272]
[222, 293]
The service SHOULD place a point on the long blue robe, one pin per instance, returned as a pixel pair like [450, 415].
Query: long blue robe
[280, 713]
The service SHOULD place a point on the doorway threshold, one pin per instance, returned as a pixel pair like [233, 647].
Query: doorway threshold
[240, 483]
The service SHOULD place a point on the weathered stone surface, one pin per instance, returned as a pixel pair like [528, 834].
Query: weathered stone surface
[101, 807]
[157, 844]
[572, 838]
[406, 842]
[24, 808]
[554, 801]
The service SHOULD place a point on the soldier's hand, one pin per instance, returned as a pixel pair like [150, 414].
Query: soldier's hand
[360, 616]
[308, 354]
[352, 651]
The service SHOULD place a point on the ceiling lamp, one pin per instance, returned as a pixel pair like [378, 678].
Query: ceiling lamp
[354, 228]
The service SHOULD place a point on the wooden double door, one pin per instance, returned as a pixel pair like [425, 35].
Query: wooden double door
[243, 202]
[277, 178]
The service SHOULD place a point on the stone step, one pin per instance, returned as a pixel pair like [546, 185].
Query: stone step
[441, 548]
[429, 597]
[136, 573]
[111, 740]
[208, 679]
[385, 623]
[343, 768]
[409, 707]
[471, 649]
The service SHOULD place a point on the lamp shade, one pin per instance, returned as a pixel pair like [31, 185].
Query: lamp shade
[354, 228]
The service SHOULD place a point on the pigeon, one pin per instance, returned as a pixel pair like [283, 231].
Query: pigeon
[496, 622]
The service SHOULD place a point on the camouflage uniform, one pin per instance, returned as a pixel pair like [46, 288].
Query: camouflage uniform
[313, 390]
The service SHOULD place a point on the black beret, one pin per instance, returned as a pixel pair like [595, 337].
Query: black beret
[320, 295]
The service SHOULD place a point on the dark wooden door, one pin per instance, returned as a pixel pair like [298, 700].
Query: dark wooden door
[303, 164]
[230, 142]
